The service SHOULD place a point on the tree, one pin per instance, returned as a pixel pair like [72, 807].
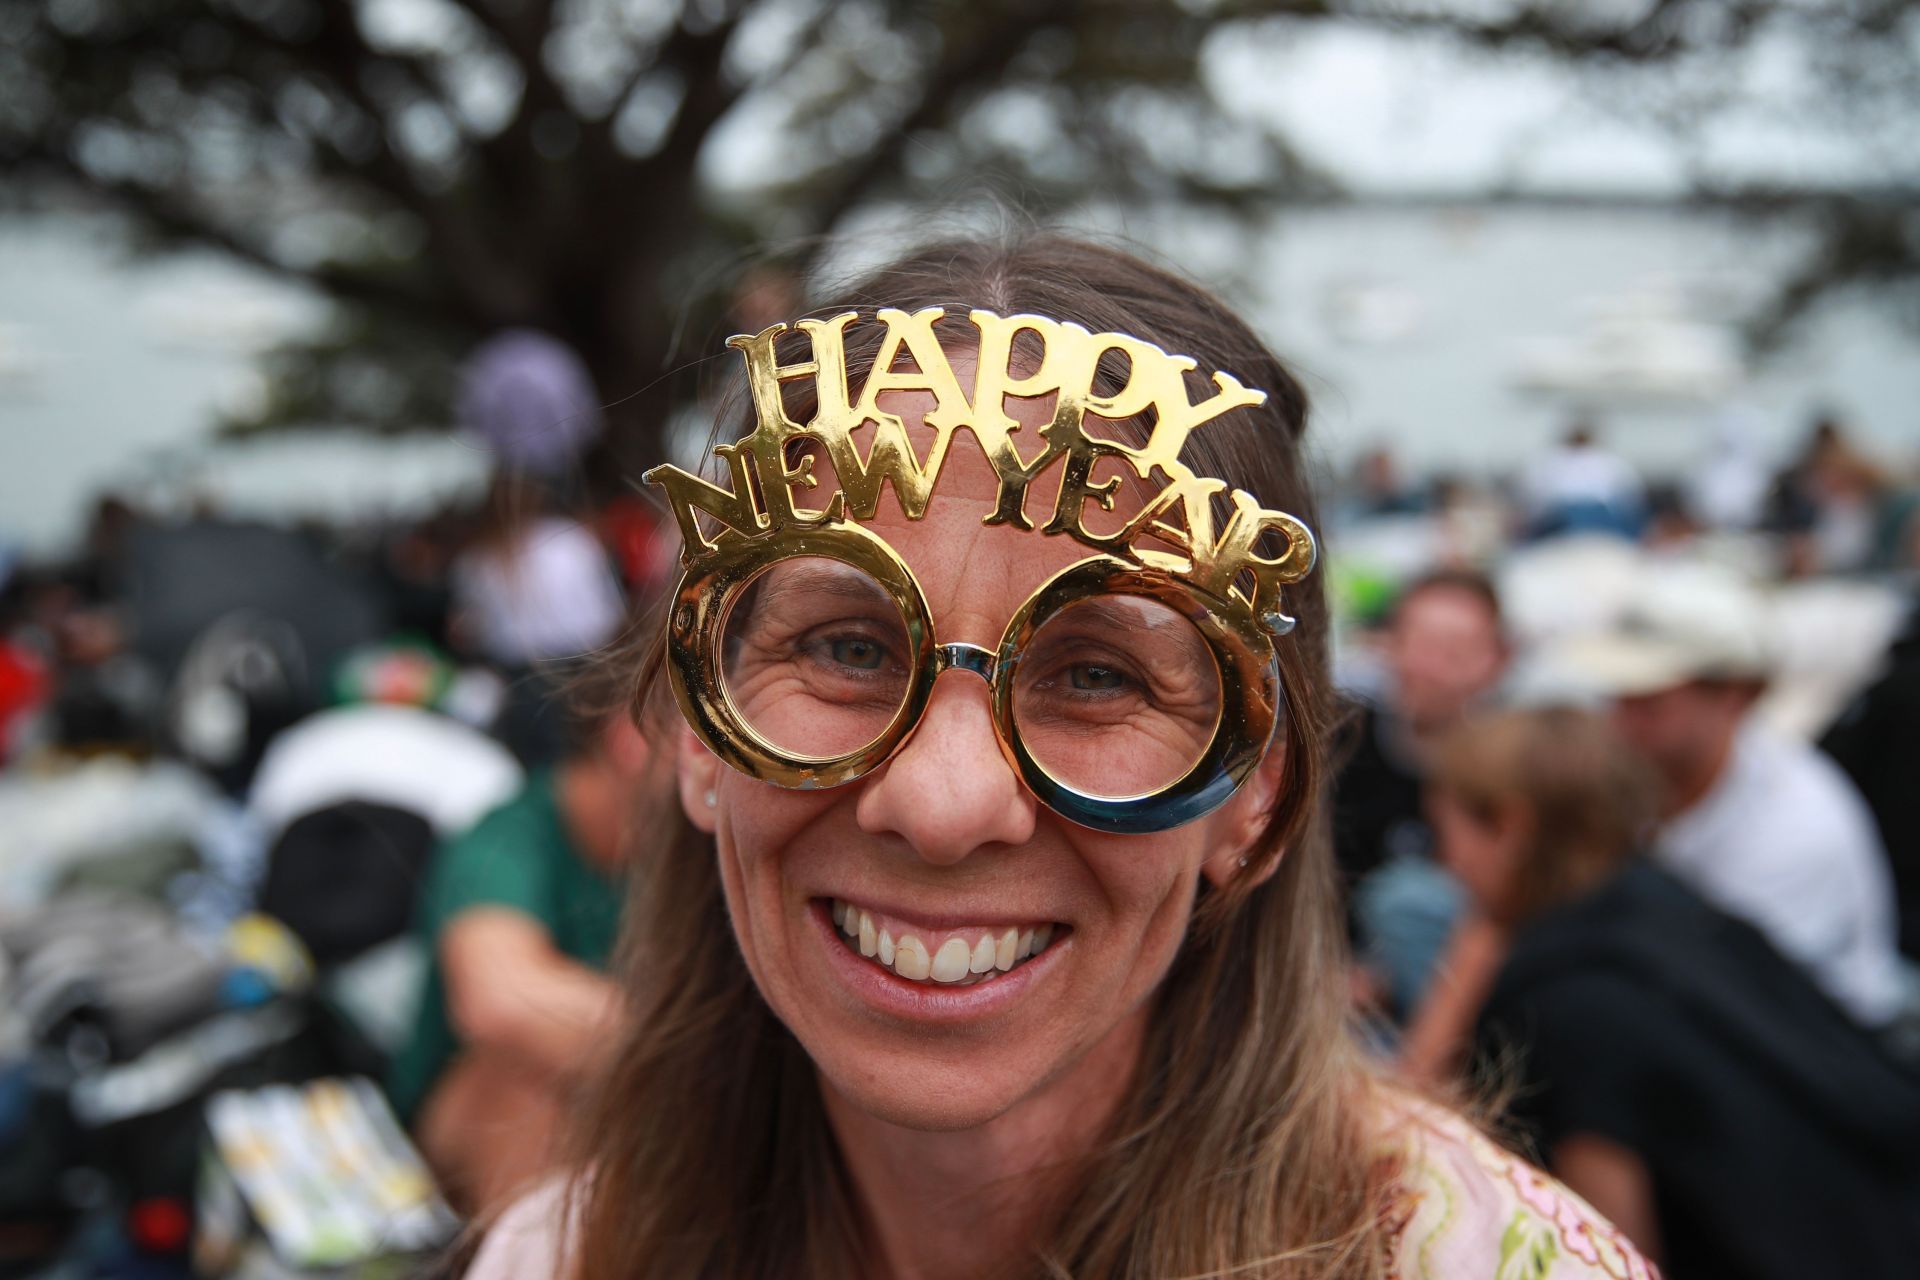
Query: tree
[612, 172]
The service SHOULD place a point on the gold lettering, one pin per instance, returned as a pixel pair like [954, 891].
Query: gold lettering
[765, 374]
[688, 493]
[830, 360]
[1078, 487]
[1234, 554]
[890, 456]
[1195, 495]
[1178, 418]
[764, 468]
[994, 380]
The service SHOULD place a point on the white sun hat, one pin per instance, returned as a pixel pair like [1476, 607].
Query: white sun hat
[1686, 622]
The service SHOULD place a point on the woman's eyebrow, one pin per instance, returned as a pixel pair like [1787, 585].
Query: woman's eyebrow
[1129, 615]
[843, 583]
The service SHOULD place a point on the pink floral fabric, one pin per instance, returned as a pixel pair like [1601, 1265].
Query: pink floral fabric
[1472, 1209]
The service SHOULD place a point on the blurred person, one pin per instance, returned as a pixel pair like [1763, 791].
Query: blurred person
[1727, 487]
[1839, 511]
[1792, 507]
[1670, 526]
[1473, 523]
[69, 614]
[1673, 1068]
[1763, 827]
[103, 698]
[1861, 517]
[102, 562]
[1579, 487]
[632, 526]
[1379, 489]
[24, 678]
[23, 688]
[1876, 739]
[1446, 651]
[1832, 494]
[414, 567]
[535, 586]
[519, 916]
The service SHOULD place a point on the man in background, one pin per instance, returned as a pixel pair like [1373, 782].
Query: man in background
[519, 916]
[1445, 652]
[1763, 827]
[1579, 487]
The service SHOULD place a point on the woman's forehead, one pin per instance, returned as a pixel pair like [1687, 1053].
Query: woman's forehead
[974, 575]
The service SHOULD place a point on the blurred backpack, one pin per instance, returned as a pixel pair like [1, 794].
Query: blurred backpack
[344, 877]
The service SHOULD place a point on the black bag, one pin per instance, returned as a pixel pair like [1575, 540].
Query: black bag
[344, 878]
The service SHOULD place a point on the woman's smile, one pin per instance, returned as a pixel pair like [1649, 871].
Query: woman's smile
[909, 968]
[922, 952]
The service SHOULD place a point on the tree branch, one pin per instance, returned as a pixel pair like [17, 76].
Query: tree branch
[982, 62]
[173, 218]
[526, 46]
[697, 55]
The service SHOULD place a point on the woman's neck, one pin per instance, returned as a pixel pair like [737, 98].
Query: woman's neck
[976, 1202]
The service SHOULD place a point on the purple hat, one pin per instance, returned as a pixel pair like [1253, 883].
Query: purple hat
[530, 400]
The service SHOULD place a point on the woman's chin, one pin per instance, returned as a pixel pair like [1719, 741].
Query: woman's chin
[944, 1098]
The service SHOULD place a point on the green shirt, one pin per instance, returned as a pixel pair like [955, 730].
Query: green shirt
[521, 857]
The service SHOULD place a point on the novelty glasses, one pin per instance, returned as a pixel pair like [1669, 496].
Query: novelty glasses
[1133, 691]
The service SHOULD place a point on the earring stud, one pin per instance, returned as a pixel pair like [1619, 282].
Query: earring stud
[713, 798]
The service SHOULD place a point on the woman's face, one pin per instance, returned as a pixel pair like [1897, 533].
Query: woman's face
[941, 858]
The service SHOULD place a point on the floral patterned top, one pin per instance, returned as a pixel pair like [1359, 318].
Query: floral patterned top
[1470, 1211]
[1474, 1210]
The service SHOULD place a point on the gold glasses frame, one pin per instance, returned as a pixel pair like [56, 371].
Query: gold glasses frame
[1243, 658]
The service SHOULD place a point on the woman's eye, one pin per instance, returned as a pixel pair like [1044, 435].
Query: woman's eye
[1094, 678]
[855, 652]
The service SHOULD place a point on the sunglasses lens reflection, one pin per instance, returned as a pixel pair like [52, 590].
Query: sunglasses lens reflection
[816, 657]
[1117, 696]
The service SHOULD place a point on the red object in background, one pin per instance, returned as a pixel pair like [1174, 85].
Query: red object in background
[23, 685]
[159, 1224]
[630, 528]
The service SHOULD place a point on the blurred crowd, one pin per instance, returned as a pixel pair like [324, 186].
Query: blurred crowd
[310, 843]
[1624, 808]
[1627, 820]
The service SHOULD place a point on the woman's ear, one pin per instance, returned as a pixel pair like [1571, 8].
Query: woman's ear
[1245, 820]
[699, 776]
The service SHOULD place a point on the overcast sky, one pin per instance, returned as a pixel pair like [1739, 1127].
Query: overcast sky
[1392, 112]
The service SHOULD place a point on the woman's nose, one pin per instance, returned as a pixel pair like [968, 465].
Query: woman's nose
[949, 791]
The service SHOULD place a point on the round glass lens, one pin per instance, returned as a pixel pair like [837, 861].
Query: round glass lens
[1117, 696]
[815, 657]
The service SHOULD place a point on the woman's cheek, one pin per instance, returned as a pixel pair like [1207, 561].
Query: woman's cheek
[753, 829]
[1153, 888]
[762, 820]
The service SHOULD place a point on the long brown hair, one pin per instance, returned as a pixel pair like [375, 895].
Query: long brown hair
[1248, 1144]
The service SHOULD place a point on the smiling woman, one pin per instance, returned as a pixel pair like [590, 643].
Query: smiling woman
[1037, 973]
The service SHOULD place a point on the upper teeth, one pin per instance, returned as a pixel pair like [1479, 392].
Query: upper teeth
[950, 956]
